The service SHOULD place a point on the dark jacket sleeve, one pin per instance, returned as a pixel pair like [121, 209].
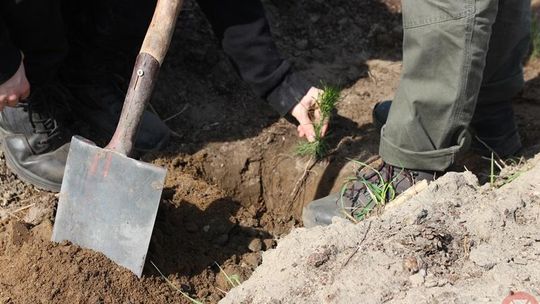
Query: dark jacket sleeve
[243, 30]
[10, 56]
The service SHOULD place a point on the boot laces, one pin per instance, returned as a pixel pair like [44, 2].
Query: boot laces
[43, 107]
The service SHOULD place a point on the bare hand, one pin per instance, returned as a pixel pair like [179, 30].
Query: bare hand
[302, 113]
[15, 89]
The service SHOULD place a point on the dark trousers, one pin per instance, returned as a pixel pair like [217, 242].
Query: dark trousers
[40, 29]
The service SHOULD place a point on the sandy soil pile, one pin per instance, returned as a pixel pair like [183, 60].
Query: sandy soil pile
[455, 242]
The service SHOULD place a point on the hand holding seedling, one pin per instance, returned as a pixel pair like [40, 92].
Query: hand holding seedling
[301, 112]
[313, 112]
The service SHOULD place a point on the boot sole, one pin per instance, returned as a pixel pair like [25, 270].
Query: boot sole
[28, 177]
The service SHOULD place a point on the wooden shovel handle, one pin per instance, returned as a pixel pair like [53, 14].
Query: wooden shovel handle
[145, 72]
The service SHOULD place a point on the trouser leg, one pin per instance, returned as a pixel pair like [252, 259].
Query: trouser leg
[444, 54]
[36, 27]
[106, 34]
[493, 121]
[243, 30]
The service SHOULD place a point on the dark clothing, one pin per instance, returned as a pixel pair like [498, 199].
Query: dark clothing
[36, 28]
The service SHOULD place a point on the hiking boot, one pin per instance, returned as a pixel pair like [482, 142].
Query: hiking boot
[45, 171]
[33, 134]
[364, 194]
[380, 113]
[493, 126]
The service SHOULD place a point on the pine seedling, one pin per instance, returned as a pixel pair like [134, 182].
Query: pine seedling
[326, 103]
[535, 37]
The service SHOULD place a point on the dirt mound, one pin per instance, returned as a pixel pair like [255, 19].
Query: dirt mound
[63, 273]
[455, 242]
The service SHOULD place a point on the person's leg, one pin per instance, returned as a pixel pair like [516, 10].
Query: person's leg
[493, 121]
[444, 53]
[106, 36]
[244, 33]
[37, 125]
[37, 29]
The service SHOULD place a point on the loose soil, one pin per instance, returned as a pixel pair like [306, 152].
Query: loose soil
[455, 242]
[234, 185]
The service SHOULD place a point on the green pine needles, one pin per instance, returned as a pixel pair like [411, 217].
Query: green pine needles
[326, 103]
[535, 37]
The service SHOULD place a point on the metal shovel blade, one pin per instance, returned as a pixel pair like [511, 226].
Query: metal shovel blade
[108, 203]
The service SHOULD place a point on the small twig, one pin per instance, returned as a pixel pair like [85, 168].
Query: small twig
[175, 134]
[15, 216]
[357, 246]
[13, 213]
[186, 106]
[408, 194]
[23, 208]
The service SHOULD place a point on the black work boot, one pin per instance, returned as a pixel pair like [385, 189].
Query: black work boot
[363, 195]
[34, 136]
[493, 126]
[96, 80]
[100, 105]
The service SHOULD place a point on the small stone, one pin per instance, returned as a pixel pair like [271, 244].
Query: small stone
[255, 245]
[18, 233]
[484, 256]
[206, 228]
[268, 244]
[417, 279]
[442, 282]
[253, 259]
[35, 215]
[430, 283]
[317, 259]
[411, 265]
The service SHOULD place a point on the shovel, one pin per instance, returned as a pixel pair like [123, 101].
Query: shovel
[108, 201]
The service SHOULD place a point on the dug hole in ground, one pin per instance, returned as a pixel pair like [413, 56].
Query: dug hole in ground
[235, 190]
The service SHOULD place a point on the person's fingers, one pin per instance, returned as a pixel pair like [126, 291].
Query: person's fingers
[26, 93]
[12, 100]
[300, 131]
[309, 131]
[305, 125]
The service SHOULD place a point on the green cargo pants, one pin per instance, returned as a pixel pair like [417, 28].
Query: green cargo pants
[460, 57]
